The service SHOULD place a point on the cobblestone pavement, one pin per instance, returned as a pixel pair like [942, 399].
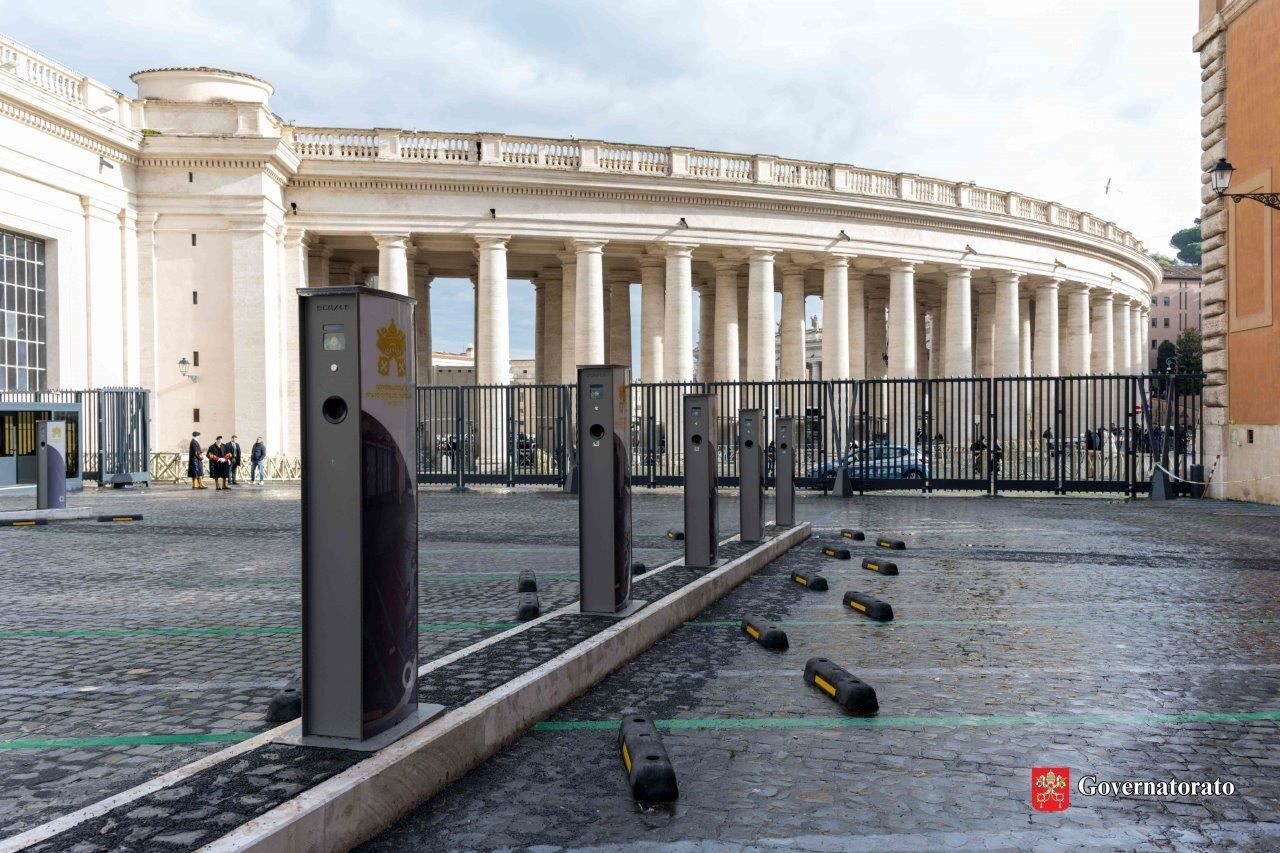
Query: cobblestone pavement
[1129, 641]
[127, 650]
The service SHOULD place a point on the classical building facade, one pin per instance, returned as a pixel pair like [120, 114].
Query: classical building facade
[181, 221]
[1175, 306]
[1240, 69]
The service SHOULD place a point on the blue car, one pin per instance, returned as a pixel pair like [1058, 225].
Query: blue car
[878, 462]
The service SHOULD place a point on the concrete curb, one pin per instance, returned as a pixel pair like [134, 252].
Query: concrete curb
[358, 803]
[69, 514]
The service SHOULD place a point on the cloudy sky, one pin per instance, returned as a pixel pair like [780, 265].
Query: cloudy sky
[1047, 97]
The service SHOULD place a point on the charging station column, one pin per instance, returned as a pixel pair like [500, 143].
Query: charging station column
[604, 490]
[751, 474]
[784, 472]
[51, 464]
[700, 516]
[359, 519]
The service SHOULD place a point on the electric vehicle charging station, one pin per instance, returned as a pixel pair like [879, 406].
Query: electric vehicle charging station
[359, 519]
[784, 473]
[51, 464]
[700, 516]
[604, 491]
[751, 475]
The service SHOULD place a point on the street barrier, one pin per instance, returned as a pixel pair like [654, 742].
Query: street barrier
[872, 608]
[649, 771]
[527, 582]
[120, 518]
[850, 692]
[810, 580]
[835, 553]
[675, 535]
[529, 607]
[883, 567]
[769, 636]
[23, 522]
[894, 544]
[855, 535]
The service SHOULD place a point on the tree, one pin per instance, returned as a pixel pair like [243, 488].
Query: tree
[1165, 353]
[1190, 354]
[1163, 260]
[1187, 242]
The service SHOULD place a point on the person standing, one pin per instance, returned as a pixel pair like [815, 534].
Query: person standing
[233, 451]
[257, 456]
[217, 454]
[195, 462]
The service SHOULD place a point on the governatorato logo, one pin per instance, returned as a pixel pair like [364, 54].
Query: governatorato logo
[1051, 788]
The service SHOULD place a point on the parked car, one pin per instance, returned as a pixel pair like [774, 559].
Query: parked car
[877, 462]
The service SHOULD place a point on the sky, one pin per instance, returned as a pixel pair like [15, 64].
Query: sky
[1050, 98]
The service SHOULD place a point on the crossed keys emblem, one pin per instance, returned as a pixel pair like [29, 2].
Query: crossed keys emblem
[1051, 786]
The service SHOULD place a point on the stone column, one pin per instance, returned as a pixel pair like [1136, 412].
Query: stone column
[589, 348]
[706, 333]
[1103, 357]
[653, 301]
[1077, 362]
[792, 330]
[1007, 356]
[959, 356]
[677, 337]
[1138, 338]
[984, 361]
[1120, 333]
[620, 319]
[393, 267]
[761, 363]
[539, 330]
[1045, 354]
[922, 340]
[743, 323]
[568, 318]
[318, 265]
[877, 329]
[493, 331]
[552, 281]
[902, 321]
[422, 279]
[836, 320]
[1024, 335]
[728, 347]
[857, 324]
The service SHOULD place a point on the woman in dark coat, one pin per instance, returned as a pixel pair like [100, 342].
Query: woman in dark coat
[218, 464]
[195, 463]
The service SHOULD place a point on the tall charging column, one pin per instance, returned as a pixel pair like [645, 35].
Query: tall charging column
[700, 518]
[359, 519]
[751, 474]
[604, 490]
[51, 464]
[784, 473]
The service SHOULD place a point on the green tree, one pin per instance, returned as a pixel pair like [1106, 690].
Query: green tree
[1163, 260]
[1187, 242]
[1190, 355]
[1164, 354]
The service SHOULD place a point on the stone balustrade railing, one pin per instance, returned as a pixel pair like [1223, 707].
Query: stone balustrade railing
[582, 155]
[63, 83]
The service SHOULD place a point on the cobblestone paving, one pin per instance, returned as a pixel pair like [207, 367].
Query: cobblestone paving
[1130, 641]
[129, 650]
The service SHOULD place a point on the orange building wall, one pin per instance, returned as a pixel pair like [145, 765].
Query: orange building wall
[1253, 146]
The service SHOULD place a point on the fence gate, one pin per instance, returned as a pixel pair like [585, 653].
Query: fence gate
[124, 441]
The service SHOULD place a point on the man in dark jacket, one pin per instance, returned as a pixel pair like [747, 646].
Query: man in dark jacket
[233, 448]
[195, 462]
[257, 456]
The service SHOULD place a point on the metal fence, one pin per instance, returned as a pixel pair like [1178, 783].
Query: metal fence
[114, 433]
[1047, 434]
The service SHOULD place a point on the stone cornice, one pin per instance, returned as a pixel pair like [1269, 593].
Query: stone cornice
[67, 131]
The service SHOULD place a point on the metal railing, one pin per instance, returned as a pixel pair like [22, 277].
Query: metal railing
[114, 434]
[1046, 434]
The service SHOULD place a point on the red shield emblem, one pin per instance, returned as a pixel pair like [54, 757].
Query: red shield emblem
[1050, 788]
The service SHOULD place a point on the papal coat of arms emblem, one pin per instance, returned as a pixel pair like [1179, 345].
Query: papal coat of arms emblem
[391, 346]
[1050, 788]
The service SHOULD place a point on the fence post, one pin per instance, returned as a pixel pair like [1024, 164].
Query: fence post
[460, 441]
[992, 423]
[1060, 430]
[651, 425]
[512, 438]
[928, 435]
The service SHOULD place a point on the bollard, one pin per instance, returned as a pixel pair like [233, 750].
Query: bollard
[850, 692]
[872, 608]
[527, 582]
[784, 467]
[812, 580]
[529, 607]
[751, 475]
[701, 521]
[835, 553]
[895, 544]
[855, 535]
[883, 567]
[649, 771]
[769, 636]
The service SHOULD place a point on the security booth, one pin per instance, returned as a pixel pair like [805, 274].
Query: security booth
[20, 442]
[359, 519]
[604, 490]
[784, 472]
[751, 474]
[700, 515]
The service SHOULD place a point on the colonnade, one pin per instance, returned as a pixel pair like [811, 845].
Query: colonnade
[881, 317]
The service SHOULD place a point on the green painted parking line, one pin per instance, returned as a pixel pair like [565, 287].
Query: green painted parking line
[126, 740]
[969, 720]
[433, 627]
[862, 623]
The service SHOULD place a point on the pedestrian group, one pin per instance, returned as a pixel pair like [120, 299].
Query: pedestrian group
[224, 462]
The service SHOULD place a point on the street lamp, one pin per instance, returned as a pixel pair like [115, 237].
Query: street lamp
[184, 366]
[1220, 179]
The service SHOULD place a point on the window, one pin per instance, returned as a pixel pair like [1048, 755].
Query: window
[1153, 300]
[1166, 300]
[193, 239]
[195, 416]
[1166, 322]
[195, 298]
[1154, 322]
[1153, 344]
[195, 358]
[23, 354]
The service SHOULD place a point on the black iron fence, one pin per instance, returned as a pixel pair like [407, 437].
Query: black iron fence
[113, 435]
[1047, 434]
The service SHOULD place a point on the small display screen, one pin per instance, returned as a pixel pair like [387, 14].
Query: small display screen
[334, 337]
[596, 392]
